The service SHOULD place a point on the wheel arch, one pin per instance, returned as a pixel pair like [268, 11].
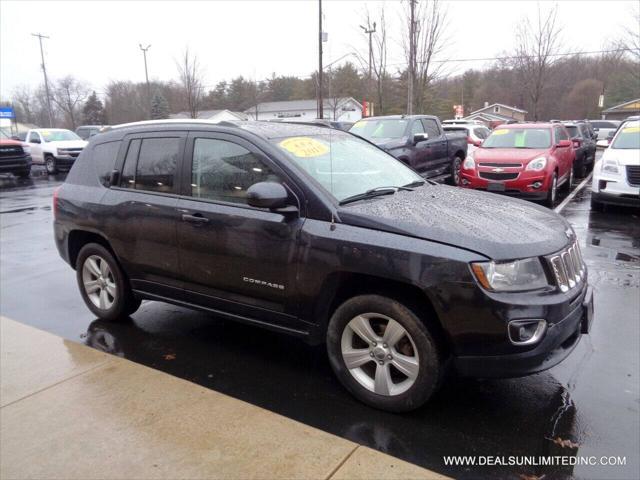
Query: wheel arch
[79, 238]
[341, 286]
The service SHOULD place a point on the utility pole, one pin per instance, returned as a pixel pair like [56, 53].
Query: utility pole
[369, 31]
[320, 101]
[46, 81]
[412, 54]
[146, 72]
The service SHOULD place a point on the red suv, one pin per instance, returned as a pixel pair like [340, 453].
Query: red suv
[530, 160]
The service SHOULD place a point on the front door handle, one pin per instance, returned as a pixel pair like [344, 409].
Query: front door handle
[196, 219]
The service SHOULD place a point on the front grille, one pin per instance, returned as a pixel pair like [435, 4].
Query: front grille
[501, 165]
[499, 176]
[11, 151]
[633, 175]
[568, 267]
[72, 152]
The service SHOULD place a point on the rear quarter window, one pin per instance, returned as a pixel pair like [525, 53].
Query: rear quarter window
[104, 160]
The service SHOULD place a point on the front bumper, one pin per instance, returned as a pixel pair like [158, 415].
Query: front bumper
[558, 342]
[20, 164]
[65, 161]
[522, 186]
[625, 200]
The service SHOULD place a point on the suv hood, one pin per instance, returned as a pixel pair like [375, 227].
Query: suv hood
[507, 155]
[68, 144]
[623, 156]
[498, 227]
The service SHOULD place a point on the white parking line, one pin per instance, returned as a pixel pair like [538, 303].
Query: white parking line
[575, 191]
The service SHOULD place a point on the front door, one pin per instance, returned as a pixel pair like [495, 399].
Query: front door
[235, 257]
[439, 162]
[35, 143]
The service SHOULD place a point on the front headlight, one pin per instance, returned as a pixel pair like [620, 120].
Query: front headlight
[61, 152]
[469, 163]
[519, 275]
[610, 166]
[537, 164]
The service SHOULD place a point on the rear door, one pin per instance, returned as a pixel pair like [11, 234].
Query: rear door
[565, 155]
[142, 211]
[235, 257]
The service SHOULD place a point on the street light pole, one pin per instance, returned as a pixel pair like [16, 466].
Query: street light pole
[146, 72]
[320, 101]
[46, 81]
[369, 31]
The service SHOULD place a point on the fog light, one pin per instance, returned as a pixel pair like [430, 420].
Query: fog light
[526, 332]
[465, 181]
[537, 184]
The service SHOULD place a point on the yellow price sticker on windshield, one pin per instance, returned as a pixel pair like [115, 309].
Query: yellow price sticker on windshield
[304, 147]
[502, 131]
[631, 130]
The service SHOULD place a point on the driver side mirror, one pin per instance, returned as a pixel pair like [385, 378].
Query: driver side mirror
[564, 143]
[271, 195]
[420, 137]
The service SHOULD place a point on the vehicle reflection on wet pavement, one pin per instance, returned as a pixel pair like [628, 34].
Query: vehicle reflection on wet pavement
[587, 405]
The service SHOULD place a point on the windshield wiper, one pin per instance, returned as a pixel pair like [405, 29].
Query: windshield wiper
[417, 183]
[374, 192]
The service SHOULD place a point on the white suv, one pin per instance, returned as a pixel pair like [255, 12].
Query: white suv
[616, 176]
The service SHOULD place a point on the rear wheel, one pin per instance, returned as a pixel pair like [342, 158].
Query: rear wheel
[103, 286]
[50, 164]
[552, 193]
[456, 165]
[382, 353]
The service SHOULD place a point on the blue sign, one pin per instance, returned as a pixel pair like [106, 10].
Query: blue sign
[7, 112]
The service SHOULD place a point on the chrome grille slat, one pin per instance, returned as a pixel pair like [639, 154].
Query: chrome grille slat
[568, 267]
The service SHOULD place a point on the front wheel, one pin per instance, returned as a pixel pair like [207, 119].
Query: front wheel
[456, 165]
[103, 286]
[50, 165]
[550, 201]
[383, 353]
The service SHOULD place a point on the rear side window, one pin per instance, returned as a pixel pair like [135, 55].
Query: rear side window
[104, 160]
[431, 127]
[223, 170]
[155, 167]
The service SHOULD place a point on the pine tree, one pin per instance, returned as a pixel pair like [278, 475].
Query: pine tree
[159, 107]
[93, 111]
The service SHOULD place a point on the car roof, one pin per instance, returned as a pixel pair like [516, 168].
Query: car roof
[632, 123]
[396, 117]
[266, 130]
[528, 125]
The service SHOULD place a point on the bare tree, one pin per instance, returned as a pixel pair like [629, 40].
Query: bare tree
[536, 45]
[23, 98]
[424, 39]
[69, 94]
[191, 80]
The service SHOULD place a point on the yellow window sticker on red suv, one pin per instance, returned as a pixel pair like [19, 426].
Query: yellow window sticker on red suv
[304, 147]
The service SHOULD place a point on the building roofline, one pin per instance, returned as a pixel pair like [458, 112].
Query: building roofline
[616, 107]
[501, 105]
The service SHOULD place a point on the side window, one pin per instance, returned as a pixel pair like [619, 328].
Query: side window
[128, 177]
[157, 164]
[223, 170]
[82, 133]
[104, 159]
[417, 127]
[481, 132]
[561, 134]
[34, 137]
[431, 127]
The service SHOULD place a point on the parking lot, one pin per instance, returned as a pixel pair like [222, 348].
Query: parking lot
[591, 399]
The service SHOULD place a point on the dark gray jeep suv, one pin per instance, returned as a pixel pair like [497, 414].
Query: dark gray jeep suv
[317, 233]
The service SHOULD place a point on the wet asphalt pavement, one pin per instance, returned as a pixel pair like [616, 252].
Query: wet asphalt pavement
[591, 399]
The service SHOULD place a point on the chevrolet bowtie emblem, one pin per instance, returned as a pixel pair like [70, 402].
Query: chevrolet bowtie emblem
[498, 170]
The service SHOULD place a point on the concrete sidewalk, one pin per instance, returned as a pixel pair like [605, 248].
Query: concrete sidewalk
[68, 411]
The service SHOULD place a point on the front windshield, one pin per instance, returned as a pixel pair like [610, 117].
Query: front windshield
[519, 138]
[345, 165]
[372, 129]
[58, 135]
[628, 139]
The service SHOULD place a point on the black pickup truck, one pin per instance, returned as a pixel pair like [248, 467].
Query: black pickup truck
[418, 141]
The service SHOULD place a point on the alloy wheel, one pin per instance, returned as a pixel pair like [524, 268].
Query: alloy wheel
[99, 282]
[380, 354]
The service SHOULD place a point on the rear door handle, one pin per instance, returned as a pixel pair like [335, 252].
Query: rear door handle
[196, 219]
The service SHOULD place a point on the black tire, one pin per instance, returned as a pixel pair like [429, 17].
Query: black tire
[568, 184]
[124, 302]
[429, 370]
[456, 166]
[580, 167]
[552, 194]
[50, 164]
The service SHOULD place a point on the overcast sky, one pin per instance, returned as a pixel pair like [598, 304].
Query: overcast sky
[97, 41]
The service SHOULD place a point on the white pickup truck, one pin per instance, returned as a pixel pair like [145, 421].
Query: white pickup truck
[55, 148]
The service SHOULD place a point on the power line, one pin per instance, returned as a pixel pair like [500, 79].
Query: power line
[46, 81]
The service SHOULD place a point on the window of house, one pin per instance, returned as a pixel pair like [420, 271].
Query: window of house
[496, 109]
[223, 170]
